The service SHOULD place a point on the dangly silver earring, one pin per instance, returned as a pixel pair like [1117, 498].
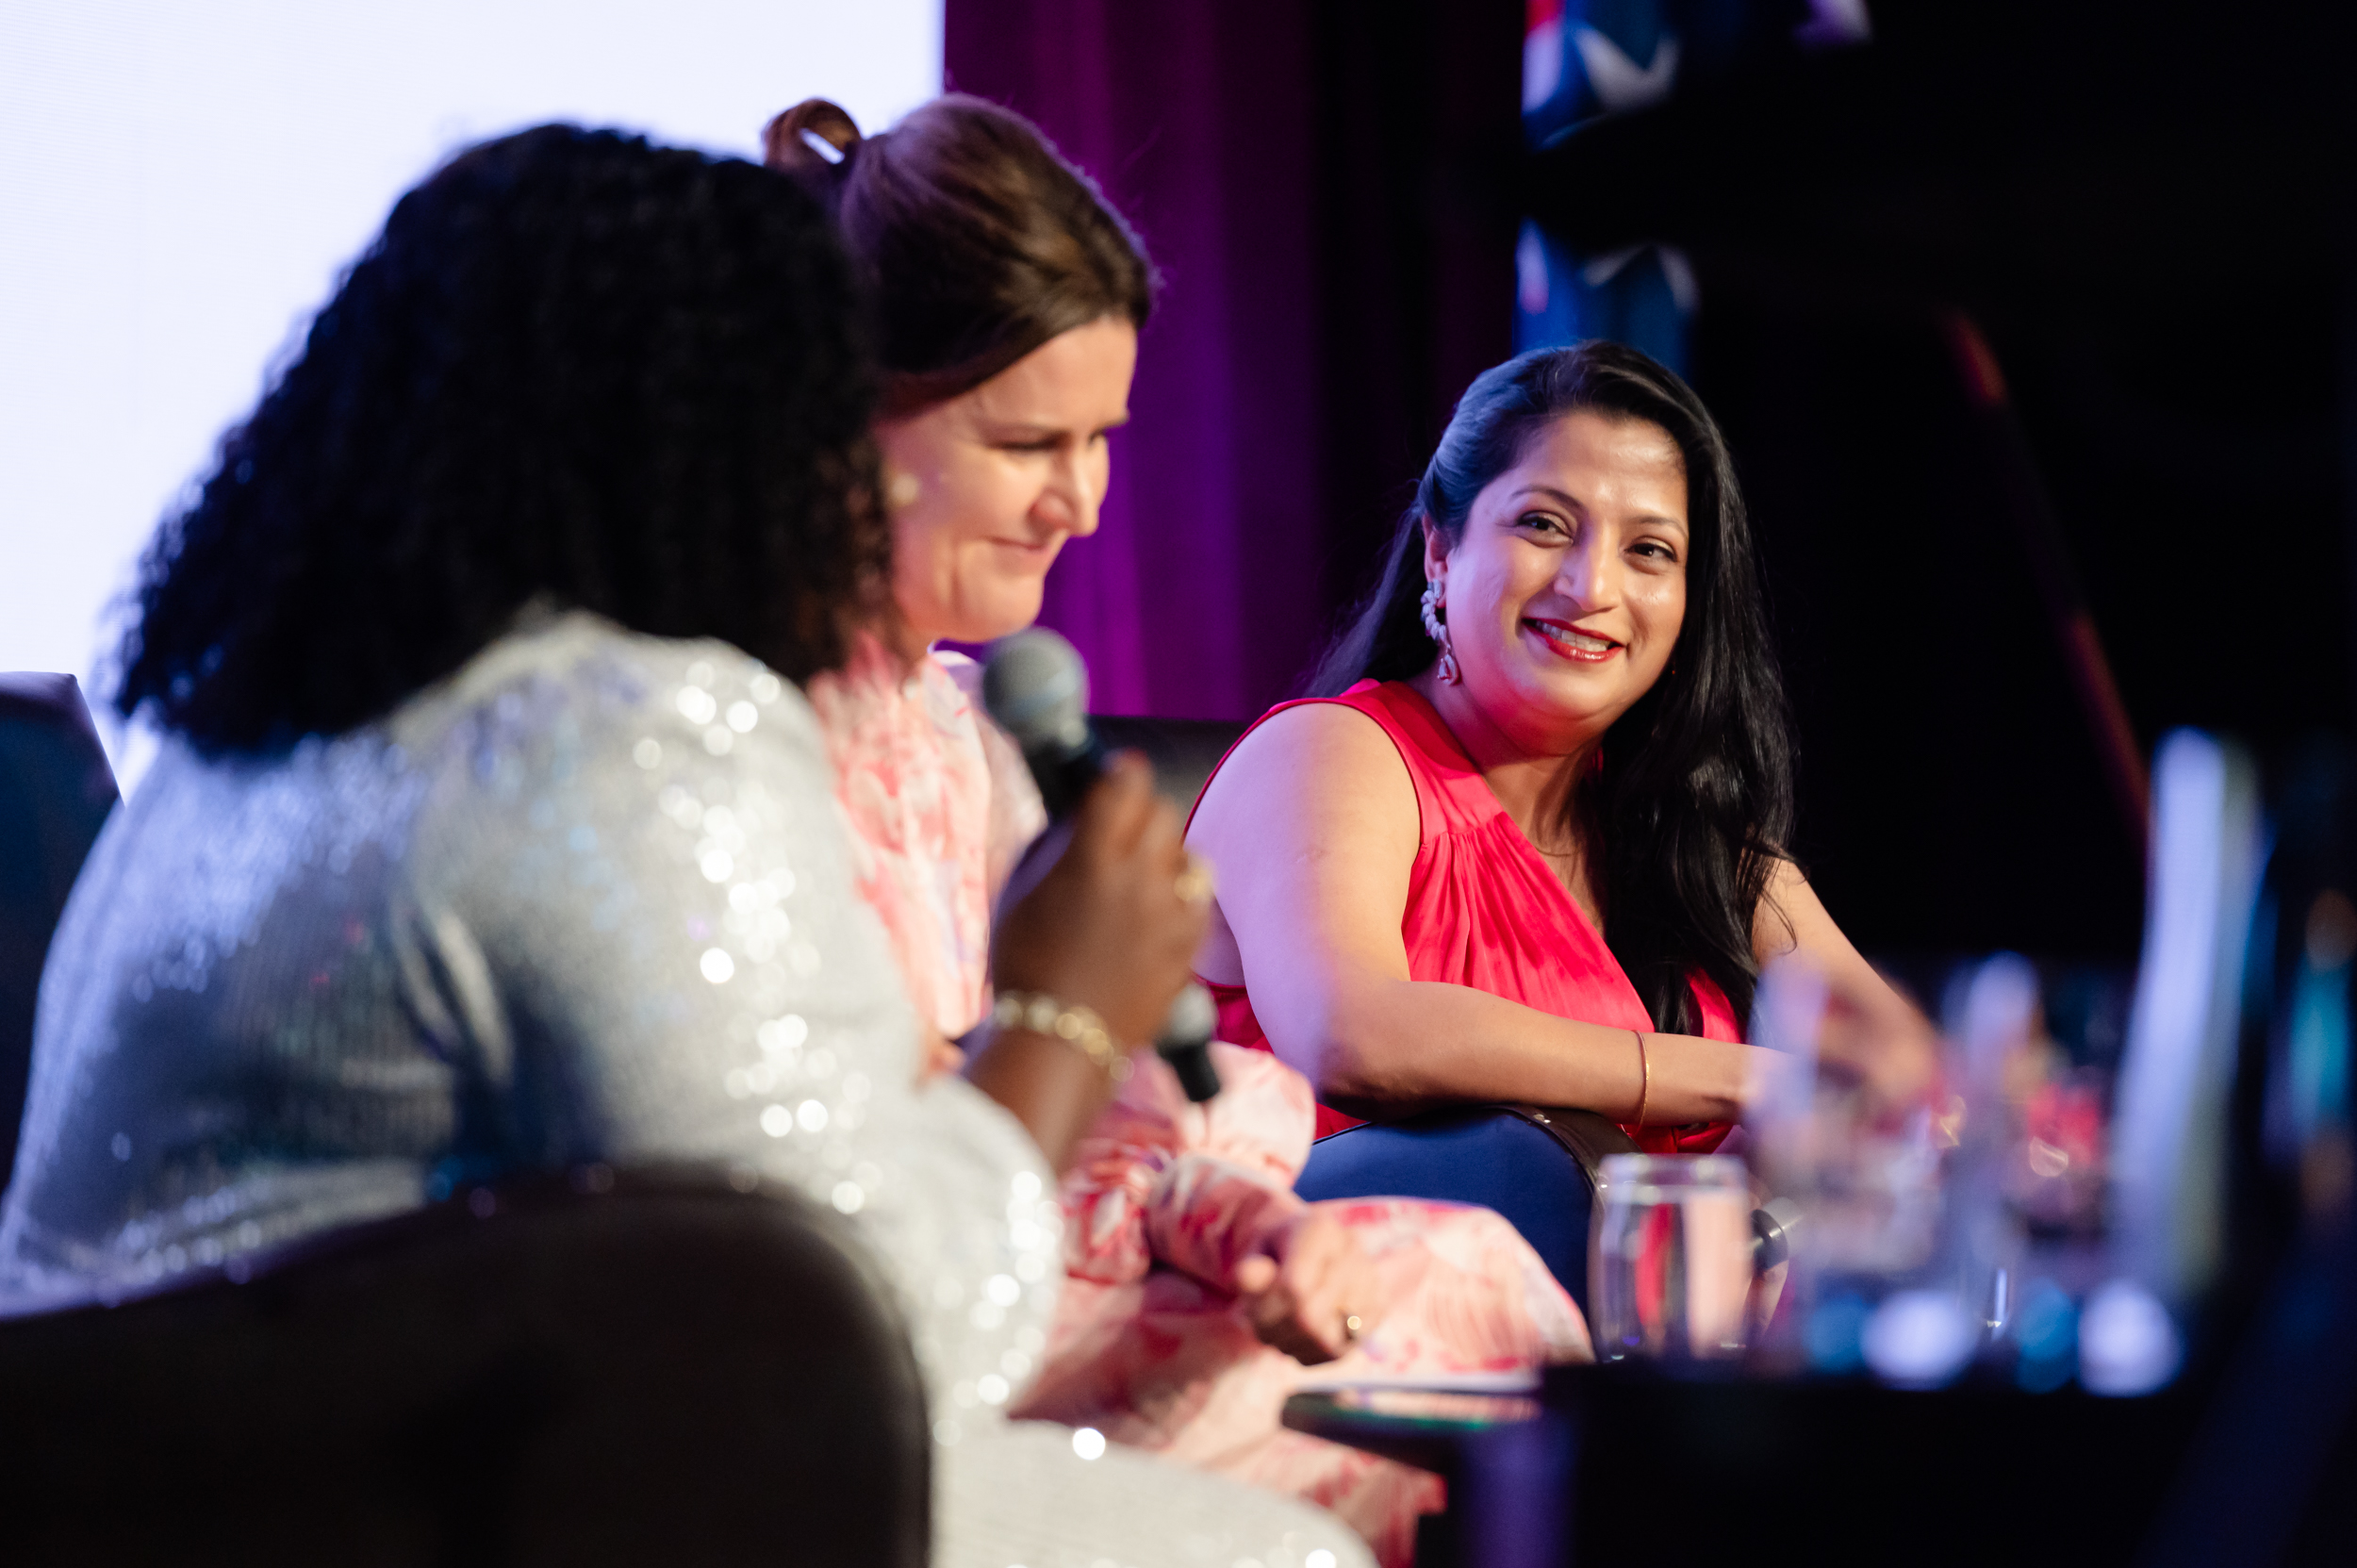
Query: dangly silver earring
[1435, 628]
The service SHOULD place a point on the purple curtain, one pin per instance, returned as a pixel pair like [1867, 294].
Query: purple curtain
[1285, 396]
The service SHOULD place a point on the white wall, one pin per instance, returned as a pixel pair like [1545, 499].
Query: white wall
[180, 181]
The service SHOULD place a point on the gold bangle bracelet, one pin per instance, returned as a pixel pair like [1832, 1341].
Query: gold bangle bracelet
[1644, 1078]
[1077, 1027]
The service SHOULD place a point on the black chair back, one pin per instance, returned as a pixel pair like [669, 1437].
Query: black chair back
[1183, 750]
[1537, 1168]
[658, 1368]
[55, 790]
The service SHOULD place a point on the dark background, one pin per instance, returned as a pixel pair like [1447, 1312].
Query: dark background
[2148, 212]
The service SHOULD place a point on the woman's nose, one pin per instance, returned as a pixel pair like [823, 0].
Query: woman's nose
[1590, 573]
[1073, 493]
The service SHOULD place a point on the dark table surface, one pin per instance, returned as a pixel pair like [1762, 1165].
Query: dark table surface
[1636, 1464]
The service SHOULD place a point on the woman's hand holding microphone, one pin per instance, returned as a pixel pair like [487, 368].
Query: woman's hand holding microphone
[1111, 927]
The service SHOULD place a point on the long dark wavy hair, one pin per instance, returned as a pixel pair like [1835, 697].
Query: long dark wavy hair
[978, 240]
[576, 369]
[1693, 801]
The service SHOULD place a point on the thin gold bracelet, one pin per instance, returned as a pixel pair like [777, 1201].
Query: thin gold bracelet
[1644, 1078]
[1077, 1027]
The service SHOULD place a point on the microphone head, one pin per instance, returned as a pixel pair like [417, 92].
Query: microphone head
[1186, 1042]
[1193, 1018]
[1036, 687]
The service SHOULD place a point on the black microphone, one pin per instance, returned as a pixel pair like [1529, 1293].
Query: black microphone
[1186, 1042]
[1036, 687]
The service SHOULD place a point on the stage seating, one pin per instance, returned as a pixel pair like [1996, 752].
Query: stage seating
[647, 1367]
[55, 790]
[1183, 750]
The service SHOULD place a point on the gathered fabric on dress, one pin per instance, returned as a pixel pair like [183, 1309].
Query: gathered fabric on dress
[1486, 911]
[589, 899]
[1149, 1345]
[939, 803]
[1152, 1347]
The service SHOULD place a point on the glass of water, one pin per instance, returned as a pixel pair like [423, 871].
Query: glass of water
[1669, 1257]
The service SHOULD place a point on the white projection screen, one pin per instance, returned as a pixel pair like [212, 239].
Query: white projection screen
[180, 183]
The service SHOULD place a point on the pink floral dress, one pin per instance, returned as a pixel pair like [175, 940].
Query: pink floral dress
[1151, 1347]
[940, 805]
[1165, 1198]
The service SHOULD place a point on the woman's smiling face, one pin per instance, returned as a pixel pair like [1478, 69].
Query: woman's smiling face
[1565, 596]
[985, 488]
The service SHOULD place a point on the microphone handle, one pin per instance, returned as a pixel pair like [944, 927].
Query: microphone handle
[1186, 1041]
[1063, 777]
[1198, 1075]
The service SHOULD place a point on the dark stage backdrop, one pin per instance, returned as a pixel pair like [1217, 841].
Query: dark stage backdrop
[2148, 218]
[1335, 191]
[1326, 187]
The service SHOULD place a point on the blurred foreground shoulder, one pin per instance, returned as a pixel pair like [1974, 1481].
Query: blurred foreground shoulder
[580, 683]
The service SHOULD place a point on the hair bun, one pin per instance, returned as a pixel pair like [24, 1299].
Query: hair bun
[786, 142]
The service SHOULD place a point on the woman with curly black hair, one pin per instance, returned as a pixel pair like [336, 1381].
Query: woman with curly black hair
[489, 831]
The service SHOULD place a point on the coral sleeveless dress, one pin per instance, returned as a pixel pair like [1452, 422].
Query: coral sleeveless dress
[1485, 909]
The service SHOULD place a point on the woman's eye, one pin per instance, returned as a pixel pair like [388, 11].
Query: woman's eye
[1540, 521]
[1655, 550]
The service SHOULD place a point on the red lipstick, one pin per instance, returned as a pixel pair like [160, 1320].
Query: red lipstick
[1573, 643]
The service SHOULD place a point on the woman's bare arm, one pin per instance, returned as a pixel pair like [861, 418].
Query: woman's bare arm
[1881, 1035]
[1791, 919]
[1311, 826]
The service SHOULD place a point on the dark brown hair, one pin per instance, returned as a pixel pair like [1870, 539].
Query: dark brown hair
[980, 242]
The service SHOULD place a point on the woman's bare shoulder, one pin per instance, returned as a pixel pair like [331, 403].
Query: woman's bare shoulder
[1329, 759]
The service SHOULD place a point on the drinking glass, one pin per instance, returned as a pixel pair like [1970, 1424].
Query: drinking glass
[1669, 1257]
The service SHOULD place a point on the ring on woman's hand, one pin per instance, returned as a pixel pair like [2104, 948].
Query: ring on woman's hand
[1351, 1326]
[1194, 885]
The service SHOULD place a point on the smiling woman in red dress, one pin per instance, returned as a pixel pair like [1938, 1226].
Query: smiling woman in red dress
[1528, 841]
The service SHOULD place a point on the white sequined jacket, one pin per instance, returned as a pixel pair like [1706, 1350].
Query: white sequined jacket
[589, 899]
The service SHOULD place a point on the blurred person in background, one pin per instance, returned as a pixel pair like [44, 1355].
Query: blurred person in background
[1009, 297]
[1527, 840]
[490, 833]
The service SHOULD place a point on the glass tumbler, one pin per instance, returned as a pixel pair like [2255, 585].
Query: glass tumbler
[1669, 1257]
